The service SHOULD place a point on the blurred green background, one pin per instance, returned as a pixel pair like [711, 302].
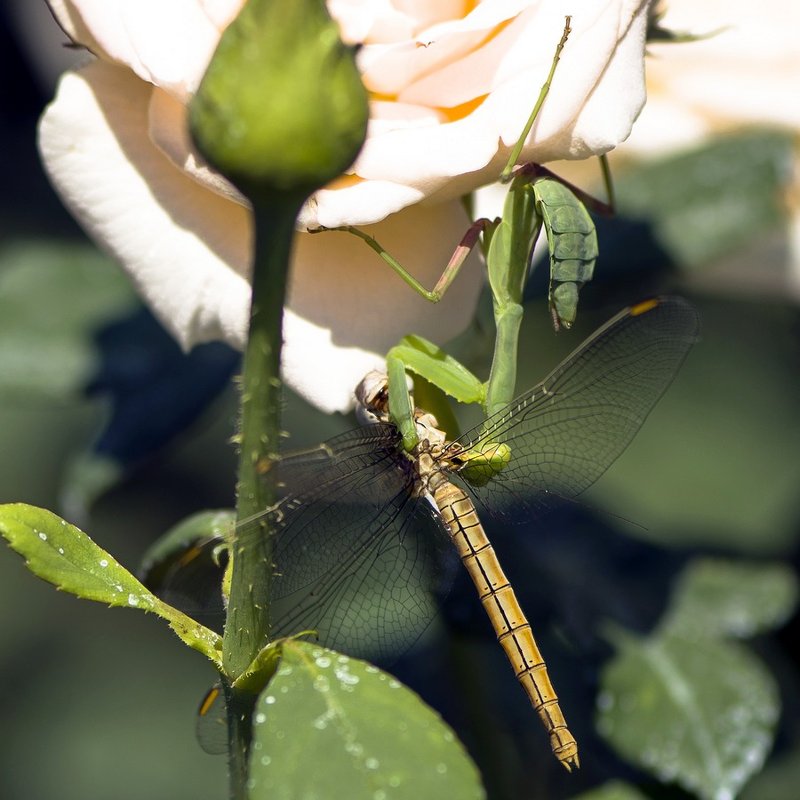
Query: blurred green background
[97, 703]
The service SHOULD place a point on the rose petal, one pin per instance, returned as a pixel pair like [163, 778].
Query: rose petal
[366, 20]
[168, 44]
[617, 98]
[93, 139]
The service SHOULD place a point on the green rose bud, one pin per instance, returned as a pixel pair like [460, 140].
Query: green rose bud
[281, 109]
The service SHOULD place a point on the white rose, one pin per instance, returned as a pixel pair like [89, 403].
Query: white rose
[450, 92]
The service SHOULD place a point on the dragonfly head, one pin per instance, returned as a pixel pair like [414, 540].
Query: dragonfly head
[372, 398]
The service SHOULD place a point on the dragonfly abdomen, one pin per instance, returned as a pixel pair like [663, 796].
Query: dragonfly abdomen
[511, 627]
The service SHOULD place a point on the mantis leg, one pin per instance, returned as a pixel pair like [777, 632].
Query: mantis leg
[463, 249]
[508, 170]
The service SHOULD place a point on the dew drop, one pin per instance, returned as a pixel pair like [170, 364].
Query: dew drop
[394, 684]
[103, 562]
[379, 795]
[372, 763]
[266, 760]
[269, 699]
[395, 781]
[441, 768]
[133, 600]
[322, 662]
[42, 536]
[61, 550]
[260, 718]
[346, 677]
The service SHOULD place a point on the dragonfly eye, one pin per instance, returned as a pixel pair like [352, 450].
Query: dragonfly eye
[372, 399]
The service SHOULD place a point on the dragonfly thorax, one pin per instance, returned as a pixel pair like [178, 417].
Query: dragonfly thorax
[428, 467]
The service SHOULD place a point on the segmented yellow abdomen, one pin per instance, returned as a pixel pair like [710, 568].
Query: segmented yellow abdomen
[510, 625]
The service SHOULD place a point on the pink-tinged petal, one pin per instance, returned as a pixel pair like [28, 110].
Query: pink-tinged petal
[72, 23]
[186, 249]
[168, 44]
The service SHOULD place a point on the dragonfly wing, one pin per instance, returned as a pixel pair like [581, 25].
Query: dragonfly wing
[355, 553]
[301, 471]
[565, 432]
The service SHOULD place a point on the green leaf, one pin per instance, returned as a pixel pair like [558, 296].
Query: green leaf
[697, 712]
[613, 790]
[715, 597]
[431, 362]
[61, 554]
[337, 727]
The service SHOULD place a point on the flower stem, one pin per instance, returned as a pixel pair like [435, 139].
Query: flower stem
[247, 626]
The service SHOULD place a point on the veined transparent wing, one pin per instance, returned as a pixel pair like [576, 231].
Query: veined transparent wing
[356, 553]
[564, 433]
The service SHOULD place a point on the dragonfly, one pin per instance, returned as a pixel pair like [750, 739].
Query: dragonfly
[364, 526]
